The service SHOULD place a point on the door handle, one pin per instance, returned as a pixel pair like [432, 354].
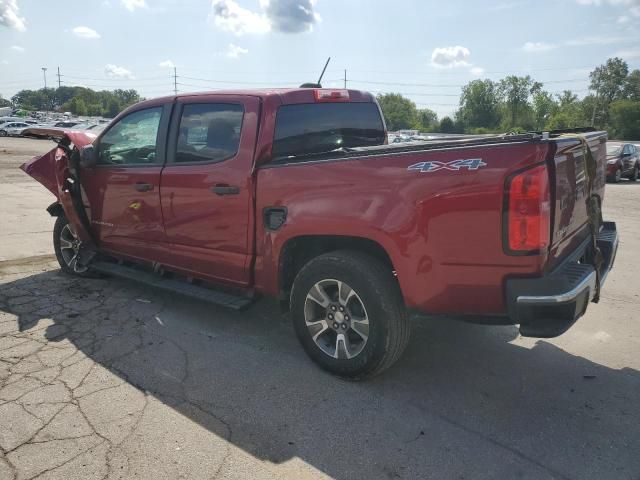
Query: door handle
[143, 187]
[225, 190]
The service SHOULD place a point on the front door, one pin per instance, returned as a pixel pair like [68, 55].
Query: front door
[123, 189]
[207, 188]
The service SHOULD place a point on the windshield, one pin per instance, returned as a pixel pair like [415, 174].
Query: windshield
[614, 149]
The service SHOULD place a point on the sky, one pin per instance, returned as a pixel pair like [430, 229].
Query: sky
[424, 49]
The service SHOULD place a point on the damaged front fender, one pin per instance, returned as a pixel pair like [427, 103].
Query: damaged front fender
[56, 171]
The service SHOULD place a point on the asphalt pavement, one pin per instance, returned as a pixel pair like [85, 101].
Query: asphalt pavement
[105, 379]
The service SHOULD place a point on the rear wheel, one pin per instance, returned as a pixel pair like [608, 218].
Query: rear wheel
[3, 133]
[348, 314]
[67, 245]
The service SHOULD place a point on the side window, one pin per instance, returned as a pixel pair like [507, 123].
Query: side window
[133, 140]
[627, 150]
[209, 132]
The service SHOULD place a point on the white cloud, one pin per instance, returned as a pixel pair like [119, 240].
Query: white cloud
[85, 32]
[10, 15]
[623, 19]
[5, 62]
[533, 47]
[450, 57]
[596, 40]
[166, 64]
[628, 54]
[131, 5]
[285, 16]
[17, 48]
[633, 6]
[231, 17]
[477, 71]
[114, 71]
[291, 16]
[234, 51]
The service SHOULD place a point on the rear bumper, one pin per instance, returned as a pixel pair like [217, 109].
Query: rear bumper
[548, 306]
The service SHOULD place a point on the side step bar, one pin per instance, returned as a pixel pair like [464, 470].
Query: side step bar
[224, 299]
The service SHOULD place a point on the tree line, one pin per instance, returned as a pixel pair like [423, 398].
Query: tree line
[80, 101]
[519, 103]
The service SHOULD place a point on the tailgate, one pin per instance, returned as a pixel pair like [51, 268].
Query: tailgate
[569, 175]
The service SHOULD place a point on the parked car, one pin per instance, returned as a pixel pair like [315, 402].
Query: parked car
[13, 128]
[293, 194]
[623, 160]
[66, 124]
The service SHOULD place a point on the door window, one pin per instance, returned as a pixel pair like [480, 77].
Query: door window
[209, 132]
[133, 140]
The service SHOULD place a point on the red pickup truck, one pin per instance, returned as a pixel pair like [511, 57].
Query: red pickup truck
[295, 194]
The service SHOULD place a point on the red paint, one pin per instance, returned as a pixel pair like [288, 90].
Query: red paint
[442, 230]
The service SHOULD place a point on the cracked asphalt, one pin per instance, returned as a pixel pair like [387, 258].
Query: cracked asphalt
[105, 379]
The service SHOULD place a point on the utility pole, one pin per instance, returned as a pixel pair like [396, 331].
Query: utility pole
[175, 81]
[345, 78]
[44, 72]
[59, 82]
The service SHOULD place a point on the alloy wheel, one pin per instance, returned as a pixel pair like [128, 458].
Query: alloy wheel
[336, 319]
[70, 249]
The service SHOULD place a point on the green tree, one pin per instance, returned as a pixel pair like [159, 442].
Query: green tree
[632, 86]
[479, 105]
[4, 102]
[447, 125]
[625, 119]
[608, 81]
[544, 107]
[77, 106]
[515, 92]
[427, 120]
[399, 112]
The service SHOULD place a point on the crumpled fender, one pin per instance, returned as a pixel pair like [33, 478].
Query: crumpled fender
[53, 171]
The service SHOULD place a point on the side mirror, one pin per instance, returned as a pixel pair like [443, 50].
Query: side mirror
[88, 156]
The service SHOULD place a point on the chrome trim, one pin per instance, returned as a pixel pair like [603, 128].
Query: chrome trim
[588, 282]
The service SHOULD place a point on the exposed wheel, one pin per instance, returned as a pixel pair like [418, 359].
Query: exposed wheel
[635, 174]
[3, 133]
[67, 245]
[348, 314]
[618, 176]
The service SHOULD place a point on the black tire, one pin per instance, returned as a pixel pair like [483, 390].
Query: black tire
[636, 173]
[61, 223]
[3, 133]
[618, 176]
[377, 288]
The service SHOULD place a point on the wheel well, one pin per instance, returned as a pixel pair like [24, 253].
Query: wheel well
[55, 210]
[298, 251]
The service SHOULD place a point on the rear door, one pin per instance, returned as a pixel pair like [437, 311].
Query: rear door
[123, 190]
[207, 192]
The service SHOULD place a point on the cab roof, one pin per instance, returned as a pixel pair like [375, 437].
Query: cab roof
[286, 95]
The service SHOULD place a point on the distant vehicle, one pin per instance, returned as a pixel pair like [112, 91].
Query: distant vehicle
[66, 124]
[623, 160]
[13, 128]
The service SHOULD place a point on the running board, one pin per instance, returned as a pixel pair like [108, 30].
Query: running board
[224, 299]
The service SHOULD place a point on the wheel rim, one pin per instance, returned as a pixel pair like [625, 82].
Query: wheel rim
[336, 319]
[70, 248]
[618, 175]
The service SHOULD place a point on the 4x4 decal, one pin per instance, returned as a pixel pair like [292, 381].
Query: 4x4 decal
[456, 165]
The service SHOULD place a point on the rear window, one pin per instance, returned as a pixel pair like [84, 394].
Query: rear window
[305, 129]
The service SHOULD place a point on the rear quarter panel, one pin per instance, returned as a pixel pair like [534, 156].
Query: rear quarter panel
[442, 230]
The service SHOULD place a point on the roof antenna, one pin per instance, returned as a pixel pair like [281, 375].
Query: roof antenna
[318, 84]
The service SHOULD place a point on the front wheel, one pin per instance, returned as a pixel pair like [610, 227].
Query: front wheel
[636, 173]
[67, 247]
[618, 176]
[3, 133]
[348, 314]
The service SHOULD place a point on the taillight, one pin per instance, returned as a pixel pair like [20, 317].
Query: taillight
[528, 212]
[327, 95]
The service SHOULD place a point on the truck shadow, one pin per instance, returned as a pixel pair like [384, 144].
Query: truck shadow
[462, 403]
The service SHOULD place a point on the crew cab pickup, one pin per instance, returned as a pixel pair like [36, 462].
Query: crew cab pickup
[295, 194]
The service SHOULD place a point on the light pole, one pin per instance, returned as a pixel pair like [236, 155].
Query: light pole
[44, 72]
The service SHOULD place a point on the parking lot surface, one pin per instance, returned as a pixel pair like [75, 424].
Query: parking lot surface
[106, 379]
